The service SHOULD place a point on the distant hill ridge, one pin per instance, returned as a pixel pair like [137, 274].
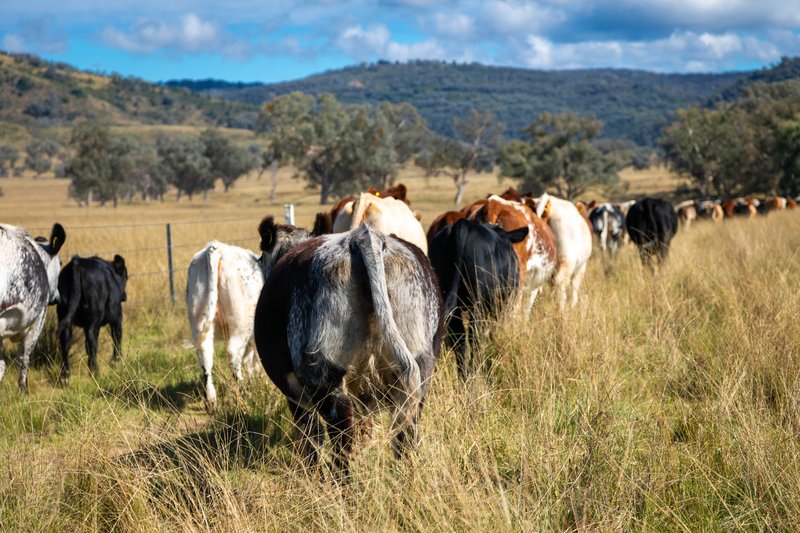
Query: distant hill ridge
[633, 104]
[36, 94]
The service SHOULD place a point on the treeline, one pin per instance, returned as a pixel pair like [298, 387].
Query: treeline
[748, 146]
[38, 156]
[341, 148]
[109, 168]
[633, 105]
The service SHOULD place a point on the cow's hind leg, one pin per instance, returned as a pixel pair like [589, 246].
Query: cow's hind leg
[3, 362]
[457, 338]
[205, 356]
[65, 342]
[28, 343]
[92, 332]
[237, 344]
[310, 433]
[577, 280]
[406, 399]
[116, 341]
[561, 280]
[337, 410]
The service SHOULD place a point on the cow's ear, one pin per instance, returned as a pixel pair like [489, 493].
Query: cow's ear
[518, 235]
[118, 264]
[268, 232]
[57, 238]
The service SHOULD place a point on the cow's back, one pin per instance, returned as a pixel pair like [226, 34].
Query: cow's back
[223, 282]
[90, 280]
[24, 288]
[571, 232]
[651, 220]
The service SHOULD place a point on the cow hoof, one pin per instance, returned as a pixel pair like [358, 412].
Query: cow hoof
[63, 381]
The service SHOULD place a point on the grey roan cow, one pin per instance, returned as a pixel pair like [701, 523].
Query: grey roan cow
[28, 283]
[344, 321]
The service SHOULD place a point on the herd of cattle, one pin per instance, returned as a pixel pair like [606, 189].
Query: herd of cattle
[352, 314]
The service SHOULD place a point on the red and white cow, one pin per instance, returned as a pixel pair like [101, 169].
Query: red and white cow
[536, 253]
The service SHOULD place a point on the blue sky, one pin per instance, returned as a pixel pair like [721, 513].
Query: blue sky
[278, 40]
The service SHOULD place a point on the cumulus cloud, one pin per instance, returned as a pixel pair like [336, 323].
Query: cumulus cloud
[363, 43]
[38, 35]
[453, 25]
[188, 34]
[681, 51]
[375, 42]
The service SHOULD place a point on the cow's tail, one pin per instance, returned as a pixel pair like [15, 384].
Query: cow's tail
[370, 245]
[604, 232]
[458, 239]
[71, 293]
[202, 303]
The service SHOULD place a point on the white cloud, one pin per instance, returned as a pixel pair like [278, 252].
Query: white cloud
[681, 51]
[13, 43]
[363, 43]
[508, 16]
[188, 34]
[430, 49]
[454, 25]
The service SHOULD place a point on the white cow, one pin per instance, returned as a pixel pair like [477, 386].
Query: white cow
[387, 215]
[573, 244]
[223, 286]
[28, 283]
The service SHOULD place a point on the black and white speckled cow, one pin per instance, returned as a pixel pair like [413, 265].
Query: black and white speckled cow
[28, 283]
[345, 321]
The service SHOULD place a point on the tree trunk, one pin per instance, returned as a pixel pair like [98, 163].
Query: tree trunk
[273, 168]
[460, 180]
[205, 195]
[324, 192]
[180, 194]
[89, 197]
[387, 181]
[115, 201]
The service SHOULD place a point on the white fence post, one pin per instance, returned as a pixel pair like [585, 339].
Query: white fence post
[288, 213]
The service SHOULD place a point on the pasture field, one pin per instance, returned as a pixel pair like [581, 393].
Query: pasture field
[663, 402]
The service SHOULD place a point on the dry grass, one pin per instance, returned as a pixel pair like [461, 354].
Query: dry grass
[664, 402]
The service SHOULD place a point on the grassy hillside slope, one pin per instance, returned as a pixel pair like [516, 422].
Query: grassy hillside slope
[36, 95]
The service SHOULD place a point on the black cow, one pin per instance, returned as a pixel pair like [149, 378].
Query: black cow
[651, 224]
[478, 273]
[344, 320]
[92, 291]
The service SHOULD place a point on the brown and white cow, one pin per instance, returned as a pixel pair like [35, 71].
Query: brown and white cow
[573, 244]
[536, 253]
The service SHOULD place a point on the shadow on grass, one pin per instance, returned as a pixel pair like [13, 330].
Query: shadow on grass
[170, 397]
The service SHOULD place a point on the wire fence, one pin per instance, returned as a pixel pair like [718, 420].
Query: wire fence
[157, 254]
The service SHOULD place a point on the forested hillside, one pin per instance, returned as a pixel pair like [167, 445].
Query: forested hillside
[633, 104]
[36, 94]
